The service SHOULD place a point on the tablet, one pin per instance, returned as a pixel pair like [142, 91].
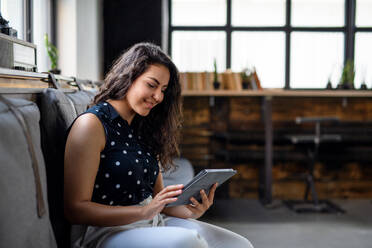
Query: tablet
[203, 180]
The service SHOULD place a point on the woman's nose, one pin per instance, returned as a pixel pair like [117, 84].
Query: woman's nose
[158, 95]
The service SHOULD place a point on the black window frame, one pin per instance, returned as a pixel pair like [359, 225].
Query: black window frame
[349, 30]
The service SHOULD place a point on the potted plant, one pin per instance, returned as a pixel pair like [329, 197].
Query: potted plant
[329, 84]
[347, 77]
[363, 86]
[245, 78]
[53, 55]
[216, 83]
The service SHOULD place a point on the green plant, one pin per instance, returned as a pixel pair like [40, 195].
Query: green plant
[52, 52]
[215, 75]
[348, 74]
[245, 75]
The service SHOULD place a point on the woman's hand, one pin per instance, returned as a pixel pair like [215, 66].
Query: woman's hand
[164, 197]
[198, 209]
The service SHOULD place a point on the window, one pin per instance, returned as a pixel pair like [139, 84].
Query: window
[363, 41]
[31, 19]
[14, 12]
[262, 50]
[316, 57]
[196, 50]
[291, 43]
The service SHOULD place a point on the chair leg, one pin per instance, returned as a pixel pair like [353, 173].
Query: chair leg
[311, 184]
[306, 195]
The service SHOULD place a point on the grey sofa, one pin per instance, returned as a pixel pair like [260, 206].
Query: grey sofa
[32, 216]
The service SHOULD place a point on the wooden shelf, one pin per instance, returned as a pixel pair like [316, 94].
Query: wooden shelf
[282, 93]
[17, 74]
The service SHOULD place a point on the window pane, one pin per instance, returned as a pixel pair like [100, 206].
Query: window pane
[363, 59]
[258, 13]
[196, 50]
[314, 58]
[318, 13]
[198, 12]
[363, 13]
[262, 50]
[12, 11]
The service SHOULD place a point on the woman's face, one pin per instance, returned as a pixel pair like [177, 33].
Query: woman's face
[148, 89]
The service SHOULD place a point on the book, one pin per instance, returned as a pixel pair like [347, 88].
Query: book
[203, 180]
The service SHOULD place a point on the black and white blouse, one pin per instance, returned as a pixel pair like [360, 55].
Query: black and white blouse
[128, 170]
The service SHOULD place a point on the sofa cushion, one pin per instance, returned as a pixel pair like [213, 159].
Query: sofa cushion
[58, 111]
[182, 174]
[21, 225]
[81, 100]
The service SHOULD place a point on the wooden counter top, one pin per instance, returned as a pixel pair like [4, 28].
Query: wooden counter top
[282, 93]
[32, 78]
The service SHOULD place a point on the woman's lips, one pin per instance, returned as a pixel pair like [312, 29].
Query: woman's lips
[149, 104]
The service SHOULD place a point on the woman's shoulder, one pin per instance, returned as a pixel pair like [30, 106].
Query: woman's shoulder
[88, 128]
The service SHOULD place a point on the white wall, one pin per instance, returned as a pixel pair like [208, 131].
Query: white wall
[67, 37]
[41, 25]
[89, 39]
[79, 36]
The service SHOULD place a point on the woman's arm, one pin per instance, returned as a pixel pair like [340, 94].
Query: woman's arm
[195, 210]
[84, 144]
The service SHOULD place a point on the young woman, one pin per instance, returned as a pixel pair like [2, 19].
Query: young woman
[114, 156]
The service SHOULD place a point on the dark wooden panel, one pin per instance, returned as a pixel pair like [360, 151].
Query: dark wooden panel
[236, 139]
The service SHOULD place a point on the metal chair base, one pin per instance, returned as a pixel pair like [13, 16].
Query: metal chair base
[323, 206]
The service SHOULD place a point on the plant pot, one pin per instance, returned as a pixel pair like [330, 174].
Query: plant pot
[55, 71]
[363, 86]
[348, 86]
[245, 85]
[216, 85]
[345, 86]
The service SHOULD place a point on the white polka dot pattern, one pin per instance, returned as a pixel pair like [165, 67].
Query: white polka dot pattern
[127, 170]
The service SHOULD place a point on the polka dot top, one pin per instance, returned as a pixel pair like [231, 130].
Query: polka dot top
[128, 170]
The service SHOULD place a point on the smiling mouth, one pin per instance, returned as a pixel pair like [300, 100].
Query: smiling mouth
[149, 104]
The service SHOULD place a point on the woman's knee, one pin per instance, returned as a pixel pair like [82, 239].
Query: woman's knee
[216, 237]
[158, 237]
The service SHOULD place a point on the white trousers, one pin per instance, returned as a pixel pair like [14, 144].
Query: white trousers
[160, 232]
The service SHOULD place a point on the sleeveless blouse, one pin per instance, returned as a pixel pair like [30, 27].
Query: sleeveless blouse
[128, 169]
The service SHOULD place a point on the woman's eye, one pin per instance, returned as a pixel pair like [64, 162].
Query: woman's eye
[151, 85]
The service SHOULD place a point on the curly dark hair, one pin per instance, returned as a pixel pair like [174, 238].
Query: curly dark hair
[160, 129]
